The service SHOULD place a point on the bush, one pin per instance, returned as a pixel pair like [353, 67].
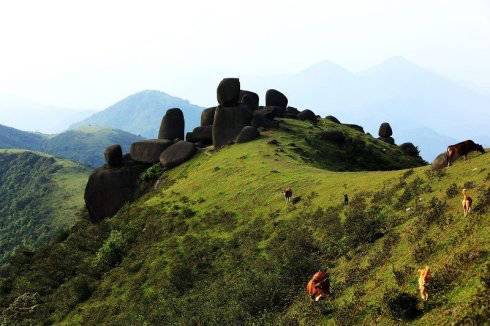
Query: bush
[402, 275]
[361, 225]
[401, 305]
[435, 212]
[423, 249]
[152, 173]
[469, 185]
[111, 252]
[482, 202]
[410, 149]
[452, 191]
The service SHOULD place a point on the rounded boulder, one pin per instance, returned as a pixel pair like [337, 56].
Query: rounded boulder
[247, 134]
[332, 118]
[228, 92]
[172, 125]
[388, 140]
[228, 122]
[307, 115]
[177, 154]
[148, 151]
[275, 98]
[440, 162]
[385, 130]
[113, 155]
[207, 116]
[250, 99]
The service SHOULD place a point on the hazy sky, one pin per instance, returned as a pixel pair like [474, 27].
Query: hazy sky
[87, 54]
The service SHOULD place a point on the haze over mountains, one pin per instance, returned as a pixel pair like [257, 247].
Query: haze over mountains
[397, 91]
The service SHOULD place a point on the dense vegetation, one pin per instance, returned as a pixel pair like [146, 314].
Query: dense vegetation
[146, 110]
[39, 197]
[215, 243]
[85, 145]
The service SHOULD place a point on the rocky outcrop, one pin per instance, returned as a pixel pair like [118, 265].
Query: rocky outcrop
[388, 140]
[275, 98]
[307, 115]
[250, 99]
[172, 126]
[385, 130]
[440, 162]
[113, 155]
[261, 121]
[332, 118]
[228, 92]
[207, 116]
[109, 188]
[177, 154]
[247, 134]
[148, 151]
[291, 112]
[202, 136]
[228, 122]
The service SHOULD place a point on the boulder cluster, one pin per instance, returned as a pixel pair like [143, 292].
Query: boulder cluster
[385, 133]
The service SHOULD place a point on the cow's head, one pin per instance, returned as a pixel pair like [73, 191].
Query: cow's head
[480, 148]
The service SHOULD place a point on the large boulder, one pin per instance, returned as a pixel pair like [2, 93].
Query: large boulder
[148, 151]
[332, 118]
[307, 115]
[388, 140]
[228, 122]
[172, 125]
[207, 116]
[247, 134]
[228, 92]
[355, 127]
[202, 135]
[177, 154]
[440, 162]
[291, 112]
[113, 155]
[410, 149]
[275, 98]
[250, 99]
[108, 189]
[260, 121]
[385, 130]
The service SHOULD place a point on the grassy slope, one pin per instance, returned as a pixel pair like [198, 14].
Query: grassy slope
[247, 180]
[55, 206]
[219, 222]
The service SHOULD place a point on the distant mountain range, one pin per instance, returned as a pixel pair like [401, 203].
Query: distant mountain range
[85, 144]
[24, 114]
[141, 113]
[411, 98]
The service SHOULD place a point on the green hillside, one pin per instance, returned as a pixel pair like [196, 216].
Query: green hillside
[215, 243]
[14, 138]
[39, 196]
[86, 144]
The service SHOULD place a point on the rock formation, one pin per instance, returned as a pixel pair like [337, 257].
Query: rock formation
[148, 151]
[113, 155]
[307, 115]
[207, 116]
[275, 98]
[250, 99]
[247, 134]
[332, 118]
[439, 162]
[355, 127]
[177, 154]
[228, 92]
[172, 126]
[201, 135]
[385, 133]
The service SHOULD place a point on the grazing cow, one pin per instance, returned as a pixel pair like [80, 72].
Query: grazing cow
[288, 194]
[319, 286]
[462, 149]
[424, 278]
[467, 201]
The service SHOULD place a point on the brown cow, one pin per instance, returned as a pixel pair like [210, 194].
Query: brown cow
[462, 149]
[467, 201]
[319, 286]
[288, 193]
[424, 278]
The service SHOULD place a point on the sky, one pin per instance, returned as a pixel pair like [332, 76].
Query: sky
[88, 54]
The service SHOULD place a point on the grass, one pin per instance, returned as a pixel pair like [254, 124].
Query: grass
[216, 243]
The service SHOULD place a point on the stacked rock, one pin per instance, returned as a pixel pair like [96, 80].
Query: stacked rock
[112, 185]
[171, 129]
[230, 116]
[385, 133]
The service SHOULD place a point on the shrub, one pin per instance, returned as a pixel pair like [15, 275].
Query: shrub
[401, 305]
[482, 202]
[410, 149]
[152, 173]
[469, 185]
[402, 275]
[111, 252]
[452, 191]
[435, 212]
[423, 249]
